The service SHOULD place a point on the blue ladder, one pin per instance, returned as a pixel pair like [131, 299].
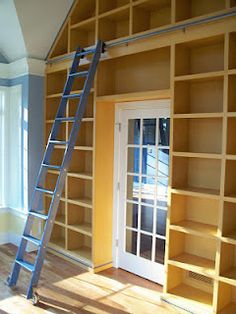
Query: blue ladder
[35, 211]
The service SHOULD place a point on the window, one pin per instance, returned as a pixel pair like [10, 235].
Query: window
[10, 147]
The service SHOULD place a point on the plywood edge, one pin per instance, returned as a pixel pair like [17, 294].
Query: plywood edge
[156, 94]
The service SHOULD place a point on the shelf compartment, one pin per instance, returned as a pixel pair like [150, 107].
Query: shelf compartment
[146, 71]
[232, 94]
[57, 157]
[61, 136]
[228, 261]
[56, 82]
[89, 110]
[83, 35]
[113, 26]
[231, 139]
[194, 214]
[186, 9]
[193, 252]
[229, 221]
[52, 105]
[232, 50]
[80, 245]
[80, 190]
[51, 181]
[226, 299]
[198, 135]
[80, 219]
[58, 236]
[200, 96]
[151, 14]
[78, 82]
[85, 135]
[190, 291]
[61, 46]
[197, 174]
[84, 10]
[230, 178]
[108, 5]
[81, 163]
[200, 56]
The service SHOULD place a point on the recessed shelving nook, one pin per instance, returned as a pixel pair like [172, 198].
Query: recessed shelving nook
[186, 9]
[189, 290]
[226, 298]
[151, 14]
[228, 262]
[195, 69]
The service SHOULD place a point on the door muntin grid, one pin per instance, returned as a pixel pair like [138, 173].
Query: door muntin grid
[147, 172]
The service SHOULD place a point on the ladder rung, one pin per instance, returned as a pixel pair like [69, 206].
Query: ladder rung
[79, 74]
[26, 265]
[38, 188]
[85, 53]
[72, 95]
[52, 166]
[32, 239]
[65, 119]
[56, 142]
[38, 215]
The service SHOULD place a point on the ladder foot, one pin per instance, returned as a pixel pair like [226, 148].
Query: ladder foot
[35, 298]
[7, 282]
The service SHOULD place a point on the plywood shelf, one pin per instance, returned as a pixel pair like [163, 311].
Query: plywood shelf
[197, 155]
[110, 5]
[232, 51]
[194, 263]
[200, 76]
[82, 34]
[202, 192]
[226, 299]
[84, 228]
[200, 56]
[83, 10]
[79, 244]
[232, 94]
[198, 135]
[196, 175]
[86, 202]
[228, 261]
[119, 76]
[195, 253]
[190, 9]
[230, 179]
[114, 25]
[183, 290]
[155, 94]
[150, 14]
[197, 115]
[195, 228]
[199, 97]
[58, 236]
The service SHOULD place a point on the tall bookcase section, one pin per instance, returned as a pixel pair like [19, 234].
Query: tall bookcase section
[197, 177]
[227, 270]
[72, 232]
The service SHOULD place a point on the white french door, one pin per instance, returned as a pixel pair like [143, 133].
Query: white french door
[143, 178]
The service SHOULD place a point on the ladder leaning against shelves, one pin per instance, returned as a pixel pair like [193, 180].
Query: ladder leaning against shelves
[35, 211]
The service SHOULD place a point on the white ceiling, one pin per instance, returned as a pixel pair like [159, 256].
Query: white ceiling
[28, 28]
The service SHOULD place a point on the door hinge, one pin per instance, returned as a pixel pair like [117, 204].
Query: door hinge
[119, 126]
[117, 242]
[118, 186]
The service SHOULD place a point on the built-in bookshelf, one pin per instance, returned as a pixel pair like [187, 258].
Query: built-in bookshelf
[196, 68]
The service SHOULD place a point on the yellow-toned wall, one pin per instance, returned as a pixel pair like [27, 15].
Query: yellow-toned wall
[103, 195]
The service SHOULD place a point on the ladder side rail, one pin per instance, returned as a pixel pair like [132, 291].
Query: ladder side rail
[61, 179]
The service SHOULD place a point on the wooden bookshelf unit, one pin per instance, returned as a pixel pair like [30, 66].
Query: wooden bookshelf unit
[196, 69]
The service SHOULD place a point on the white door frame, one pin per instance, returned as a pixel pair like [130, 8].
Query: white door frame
[119, 107]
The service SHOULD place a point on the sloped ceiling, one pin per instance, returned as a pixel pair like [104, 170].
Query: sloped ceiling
[28, 28]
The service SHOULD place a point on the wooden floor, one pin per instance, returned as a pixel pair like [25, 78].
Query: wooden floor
[67, 288]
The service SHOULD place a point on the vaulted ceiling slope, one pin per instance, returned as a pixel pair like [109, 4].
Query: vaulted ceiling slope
[28, 28]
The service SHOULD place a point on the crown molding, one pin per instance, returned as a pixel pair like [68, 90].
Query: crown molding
[21, 67]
